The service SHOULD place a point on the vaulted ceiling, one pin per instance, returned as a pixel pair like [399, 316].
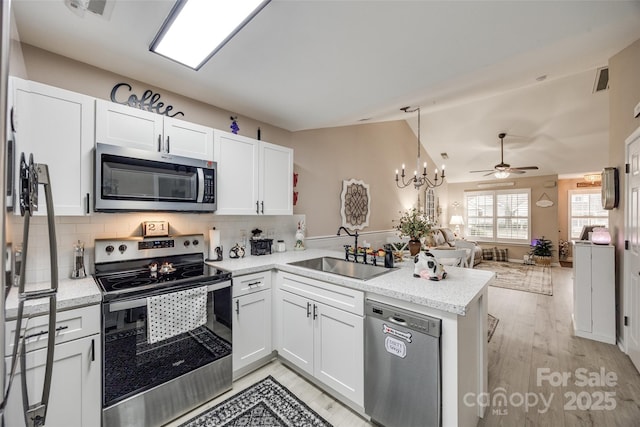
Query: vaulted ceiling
[476, 68]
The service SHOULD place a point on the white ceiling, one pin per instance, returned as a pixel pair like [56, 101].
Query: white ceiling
[470, 65]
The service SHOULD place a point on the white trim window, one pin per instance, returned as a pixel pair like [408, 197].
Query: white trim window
[498, 216]
[585, 208]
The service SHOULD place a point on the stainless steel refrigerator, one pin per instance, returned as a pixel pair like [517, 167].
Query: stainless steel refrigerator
[5, 28]
[30, 176]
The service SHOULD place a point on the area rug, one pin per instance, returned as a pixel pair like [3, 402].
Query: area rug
[266, 403]
[521, 277]
[491, 326]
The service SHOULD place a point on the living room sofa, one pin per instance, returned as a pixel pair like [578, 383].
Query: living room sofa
[444, 238]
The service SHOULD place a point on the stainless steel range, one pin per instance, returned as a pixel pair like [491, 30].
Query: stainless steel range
[166, 328]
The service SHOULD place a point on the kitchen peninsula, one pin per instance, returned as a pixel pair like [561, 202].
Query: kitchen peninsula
[460, 301]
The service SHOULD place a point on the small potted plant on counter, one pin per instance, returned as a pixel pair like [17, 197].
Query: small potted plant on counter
[414, 225]
[541, 251]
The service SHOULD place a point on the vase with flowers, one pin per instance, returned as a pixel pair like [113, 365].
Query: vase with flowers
[414, 225]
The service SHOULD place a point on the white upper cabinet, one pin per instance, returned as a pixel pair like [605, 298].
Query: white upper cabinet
[57, 126]
[118, 124]
[276, 179]
[188, 139]
[254, 177]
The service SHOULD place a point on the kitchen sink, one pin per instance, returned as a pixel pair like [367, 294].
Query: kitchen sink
[342, 267]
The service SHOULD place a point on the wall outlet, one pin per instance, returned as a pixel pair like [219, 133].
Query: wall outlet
[636, 110]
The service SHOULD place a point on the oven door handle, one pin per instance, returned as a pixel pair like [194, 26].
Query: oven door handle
[142, 302]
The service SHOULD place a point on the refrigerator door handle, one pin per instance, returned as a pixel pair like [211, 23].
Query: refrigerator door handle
[31, 176]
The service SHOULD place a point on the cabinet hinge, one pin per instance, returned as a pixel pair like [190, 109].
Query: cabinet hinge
[626, 245]
[626, 320]
[627, 168]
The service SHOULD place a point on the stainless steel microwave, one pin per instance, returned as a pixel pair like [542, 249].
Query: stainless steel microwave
[128, 179]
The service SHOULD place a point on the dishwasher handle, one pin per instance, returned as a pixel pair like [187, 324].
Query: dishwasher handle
[397, 320]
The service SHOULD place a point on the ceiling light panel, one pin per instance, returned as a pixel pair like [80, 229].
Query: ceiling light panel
[196, 29]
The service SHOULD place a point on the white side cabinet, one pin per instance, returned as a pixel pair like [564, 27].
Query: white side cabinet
[118, 124]
[594, 313]
[320, 330]
[251, 319]
[254, 177]
[75, 396]
[57, 126]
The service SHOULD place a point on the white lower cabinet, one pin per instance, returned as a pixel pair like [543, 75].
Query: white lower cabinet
[74, 399]
[251, 319]
[320, 330]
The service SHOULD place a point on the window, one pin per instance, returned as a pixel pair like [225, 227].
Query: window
[585, 208]
[502, 216]
[430, 205]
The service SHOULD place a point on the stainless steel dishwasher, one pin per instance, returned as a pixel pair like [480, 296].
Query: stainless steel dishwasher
[402, 367]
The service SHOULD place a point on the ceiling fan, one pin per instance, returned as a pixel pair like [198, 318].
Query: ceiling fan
[502, 169]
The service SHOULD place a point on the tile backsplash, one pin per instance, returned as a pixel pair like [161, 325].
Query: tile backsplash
[233, 229]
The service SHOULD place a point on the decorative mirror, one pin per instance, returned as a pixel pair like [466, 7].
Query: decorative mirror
[356, 204]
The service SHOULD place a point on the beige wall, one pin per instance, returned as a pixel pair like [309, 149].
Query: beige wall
[624, 94]
[368, 152]
[45, 67]
[544, 221]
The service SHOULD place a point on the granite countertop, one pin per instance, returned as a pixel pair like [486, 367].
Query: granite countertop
[453, 294]
[72, 293]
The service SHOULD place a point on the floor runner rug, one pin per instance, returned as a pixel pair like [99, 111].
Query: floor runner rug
[266, 403]
[521, 277]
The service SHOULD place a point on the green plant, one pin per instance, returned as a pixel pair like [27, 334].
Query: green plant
[413, 224]
[542, 247]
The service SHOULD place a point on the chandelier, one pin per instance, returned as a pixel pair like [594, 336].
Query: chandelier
[419, 180]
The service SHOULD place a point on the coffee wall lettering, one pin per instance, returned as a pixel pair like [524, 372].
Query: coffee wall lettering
[149, 101]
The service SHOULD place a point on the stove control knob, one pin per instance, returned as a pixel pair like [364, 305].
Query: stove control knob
[196, 242]
[186, 243]
[109, 249]
[122, 248]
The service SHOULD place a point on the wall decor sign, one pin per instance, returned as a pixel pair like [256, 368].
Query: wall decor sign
[149, 101]
[356, 204]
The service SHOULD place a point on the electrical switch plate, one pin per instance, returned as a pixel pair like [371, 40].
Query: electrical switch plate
[636, 110]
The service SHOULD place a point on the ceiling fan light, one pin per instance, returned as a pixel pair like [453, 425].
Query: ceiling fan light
[501, 174]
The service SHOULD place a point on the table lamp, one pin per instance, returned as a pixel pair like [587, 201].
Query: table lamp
[457, 221]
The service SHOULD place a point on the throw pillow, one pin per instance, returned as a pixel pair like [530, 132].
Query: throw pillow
[487, 254]
[501, 254]
[449, 235]
[439, 238]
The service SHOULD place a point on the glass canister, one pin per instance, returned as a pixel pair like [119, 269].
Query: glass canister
[78, 271]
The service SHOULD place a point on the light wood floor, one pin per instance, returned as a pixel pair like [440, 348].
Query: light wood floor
[534, 332]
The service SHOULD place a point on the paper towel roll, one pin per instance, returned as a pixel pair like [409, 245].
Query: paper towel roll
[214, 242]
